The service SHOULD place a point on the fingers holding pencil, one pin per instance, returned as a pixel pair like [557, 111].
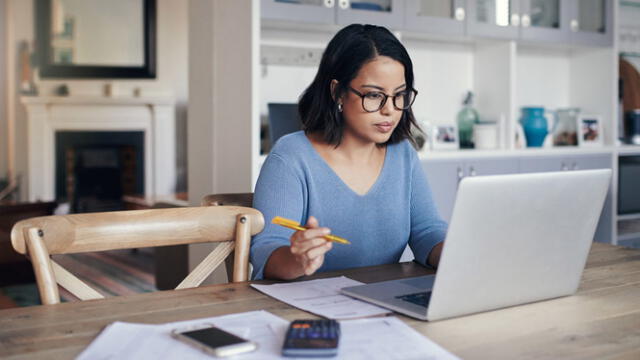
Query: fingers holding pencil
[296, 226]
[309, 246]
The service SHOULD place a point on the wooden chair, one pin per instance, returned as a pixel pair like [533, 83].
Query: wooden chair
[41, 237]
[234, 199]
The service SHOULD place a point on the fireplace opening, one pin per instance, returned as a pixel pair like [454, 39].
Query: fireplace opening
[95, 169]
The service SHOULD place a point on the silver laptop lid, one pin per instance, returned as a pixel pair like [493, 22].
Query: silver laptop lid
[515, 239]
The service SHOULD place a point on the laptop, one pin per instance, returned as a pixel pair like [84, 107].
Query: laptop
[513, 239]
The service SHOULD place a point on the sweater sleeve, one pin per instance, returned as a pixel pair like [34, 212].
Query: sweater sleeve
[427, 228]
[279, 192]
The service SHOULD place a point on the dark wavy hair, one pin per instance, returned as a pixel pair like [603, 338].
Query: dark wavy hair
[347, 52]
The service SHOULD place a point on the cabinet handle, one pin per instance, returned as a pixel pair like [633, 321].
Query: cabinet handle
[515, 20]
[472, 171]
[460, 174]
[564, 167]
[329, 3]
[574, 166]
[459, 14]
[574, 24]
[526, 20]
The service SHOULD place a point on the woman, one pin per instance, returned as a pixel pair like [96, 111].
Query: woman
[352, 169]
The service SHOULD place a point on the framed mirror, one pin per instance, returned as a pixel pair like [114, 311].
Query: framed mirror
[96, 38]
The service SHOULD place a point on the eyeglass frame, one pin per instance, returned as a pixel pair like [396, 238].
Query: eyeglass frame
[386, 97]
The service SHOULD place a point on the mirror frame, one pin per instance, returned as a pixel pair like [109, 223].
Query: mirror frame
[48, 69]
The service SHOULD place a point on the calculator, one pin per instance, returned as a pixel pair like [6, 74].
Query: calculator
[312, 338]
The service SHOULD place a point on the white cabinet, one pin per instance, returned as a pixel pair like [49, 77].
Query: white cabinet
[494, 18]
[604, 231]
[342, 12]
[565, 163]
[445, 174]
[581, 22]
[311, 11]
[442, 17]
[584, 22]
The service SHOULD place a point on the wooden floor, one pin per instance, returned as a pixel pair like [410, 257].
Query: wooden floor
[112, 273]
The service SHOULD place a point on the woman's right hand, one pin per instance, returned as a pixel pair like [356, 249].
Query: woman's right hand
[309, 246]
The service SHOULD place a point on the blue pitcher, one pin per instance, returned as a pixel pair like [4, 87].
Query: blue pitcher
[535, 125]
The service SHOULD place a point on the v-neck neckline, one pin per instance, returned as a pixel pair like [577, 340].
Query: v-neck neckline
[337, 177]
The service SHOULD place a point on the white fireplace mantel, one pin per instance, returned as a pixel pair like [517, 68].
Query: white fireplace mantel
[155, 117]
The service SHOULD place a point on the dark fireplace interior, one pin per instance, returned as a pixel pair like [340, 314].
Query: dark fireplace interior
[95, 169]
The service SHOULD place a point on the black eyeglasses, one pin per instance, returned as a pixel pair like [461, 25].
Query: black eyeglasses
[374, 100]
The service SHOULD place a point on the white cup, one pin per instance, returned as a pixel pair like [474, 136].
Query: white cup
[485, 136]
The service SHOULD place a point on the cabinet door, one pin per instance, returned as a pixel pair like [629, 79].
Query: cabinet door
[591, 22]
[480, 167]
[543, 164]
[306, 11]
[604, 231]
[388, 13]
[545, 20]
[442, 17]
[443, 177]
[590, 162]
[493, 18]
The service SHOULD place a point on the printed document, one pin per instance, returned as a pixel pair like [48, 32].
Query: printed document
[322, 297]
[383, 338]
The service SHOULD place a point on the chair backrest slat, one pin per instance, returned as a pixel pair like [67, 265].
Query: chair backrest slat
[66, 234]
[62, 234]
[74, 285]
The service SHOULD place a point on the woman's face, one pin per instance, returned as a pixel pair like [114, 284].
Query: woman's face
[382, 75]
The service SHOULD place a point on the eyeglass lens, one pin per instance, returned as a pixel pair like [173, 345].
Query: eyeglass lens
[374, 101]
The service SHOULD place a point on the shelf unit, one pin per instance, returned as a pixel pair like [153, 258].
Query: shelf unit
[505, 69]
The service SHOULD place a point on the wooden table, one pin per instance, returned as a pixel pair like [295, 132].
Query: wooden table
[602, 321]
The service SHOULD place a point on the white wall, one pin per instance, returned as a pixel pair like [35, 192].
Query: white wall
[3, 90]
[172, 70]
[223, 106]
[543, 77]
[443, 73]
[20, 28]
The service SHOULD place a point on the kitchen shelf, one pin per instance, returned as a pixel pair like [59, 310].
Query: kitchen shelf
[630, 3]
[627, 237]
[474, 153]
[626, 217]
[629, 150]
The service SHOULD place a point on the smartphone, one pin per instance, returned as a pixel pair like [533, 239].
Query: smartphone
[214, 340]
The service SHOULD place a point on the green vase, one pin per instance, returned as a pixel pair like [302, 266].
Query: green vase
[467, 117]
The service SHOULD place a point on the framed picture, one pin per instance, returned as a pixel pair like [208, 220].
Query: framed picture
[444, 137]
[590, 130]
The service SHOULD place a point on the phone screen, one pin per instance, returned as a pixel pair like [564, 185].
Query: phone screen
[213, 337]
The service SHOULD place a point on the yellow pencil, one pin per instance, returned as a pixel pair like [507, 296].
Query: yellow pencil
[296, 226]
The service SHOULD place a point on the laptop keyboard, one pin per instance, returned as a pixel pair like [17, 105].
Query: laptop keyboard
[420, 299]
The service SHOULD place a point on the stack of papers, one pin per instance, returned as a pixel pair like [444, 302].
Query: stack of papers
[322, 297]
[385, 338]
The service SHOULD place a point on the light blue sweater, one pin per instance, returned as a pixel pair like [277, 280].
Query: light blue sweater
[295, 183]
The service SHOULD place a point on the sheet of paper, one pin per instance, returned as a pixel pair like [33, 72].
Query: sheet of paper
[383, 338]
[322, 297]
[138, 341]
[386, 338]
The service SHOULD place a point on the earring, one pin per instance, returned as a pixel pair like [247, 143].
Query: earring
[339, 107]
